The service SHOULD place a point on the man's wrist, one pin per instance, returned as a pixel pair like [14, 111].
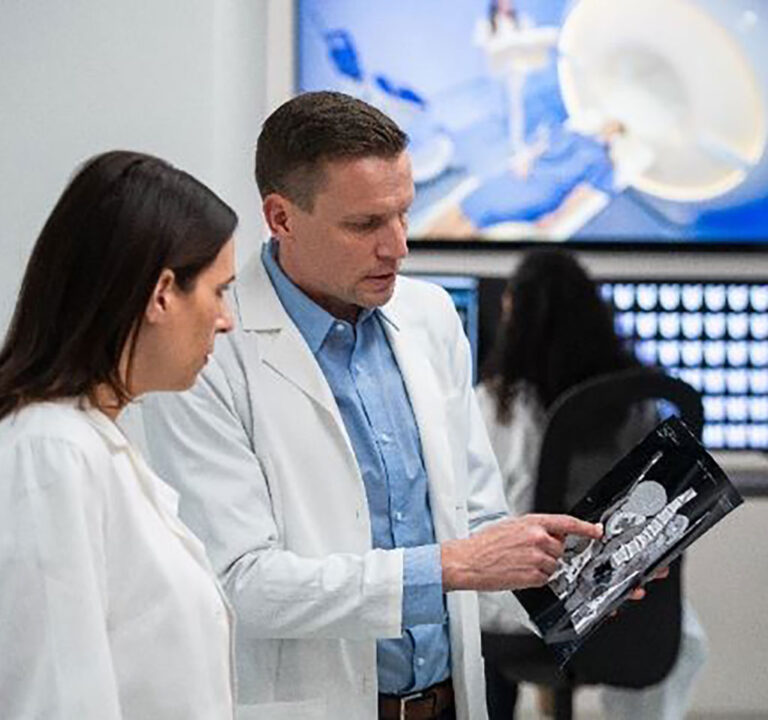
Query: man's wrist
[456, 569]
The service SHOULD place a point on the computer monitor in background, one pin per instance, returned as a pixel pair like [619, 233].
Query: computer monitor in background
[463, 290]
[714, 335]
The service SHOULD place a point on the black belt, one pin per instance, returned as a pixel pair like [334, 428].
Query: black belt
[428, 704]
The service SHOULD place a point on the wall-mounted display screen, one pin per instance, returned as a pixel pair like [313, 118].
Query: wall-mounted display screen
[713, 334]
[577, 120]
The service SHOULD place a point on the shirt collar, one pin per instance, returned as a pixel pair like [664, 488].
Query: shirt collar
[313, 322]
[105, 426]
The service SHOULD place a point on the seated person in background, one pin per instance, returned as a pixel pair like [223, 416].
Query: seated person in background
[555, 332]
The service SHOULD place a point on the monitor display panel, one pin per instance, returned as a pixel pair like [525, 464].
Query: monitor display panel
[711, 333]
[562, 119]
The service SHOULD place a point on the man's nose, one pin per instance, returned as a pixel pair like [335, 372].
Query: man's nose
[395, 245]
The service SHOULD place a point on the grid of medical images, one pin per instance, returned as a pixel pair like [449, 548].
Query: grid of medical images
[712, 335]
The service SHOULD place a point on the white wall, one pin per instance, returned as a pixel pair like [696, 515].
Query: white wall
[183, 79]
[727, 581]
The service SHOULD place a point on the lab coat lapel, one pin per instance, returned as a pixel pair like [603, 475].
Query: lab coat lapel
[287, 354]
[281, 345]
[425, 395]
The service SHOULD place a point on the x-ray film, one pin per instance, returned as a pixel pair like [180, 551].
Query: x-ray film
[654, 503]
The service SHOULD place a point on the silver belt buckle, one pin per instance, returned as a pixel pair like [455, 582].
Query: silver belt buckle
[405, 699]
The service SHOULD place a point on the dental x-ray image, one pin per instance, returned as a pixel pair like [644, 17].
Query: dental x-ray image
[562, 119]
[653, 504]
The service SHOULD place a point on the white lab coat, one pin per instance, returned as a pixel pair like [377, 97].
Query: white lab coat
[516, 446]
[269, 481]
[109, 609]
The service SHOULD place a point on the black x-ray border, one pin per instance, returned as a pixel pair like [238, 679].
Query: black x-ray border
[679, 462]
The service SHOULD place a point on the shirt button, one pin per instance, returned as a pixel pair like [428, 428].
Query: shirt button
[398, 515]
[385, 437]
[420, 661]
[339, 327]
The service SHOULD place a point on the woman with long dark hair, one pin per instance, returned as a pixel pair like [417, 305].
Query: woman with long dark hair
[108, 606]
[555, 332]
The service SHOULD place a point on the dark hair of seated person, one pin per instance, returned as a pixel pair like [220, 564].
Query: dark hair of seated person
[556, 331]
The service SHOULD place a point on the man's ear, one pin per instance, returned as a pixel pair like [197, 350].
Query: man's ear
[279, 212]
[162, 297]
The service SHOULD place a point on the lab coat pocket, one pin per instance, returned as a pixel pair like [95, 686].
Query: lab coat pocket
[303, 710]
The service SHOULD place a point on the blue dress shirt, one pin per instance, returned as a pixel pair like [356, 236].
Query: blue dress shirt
[365, 380]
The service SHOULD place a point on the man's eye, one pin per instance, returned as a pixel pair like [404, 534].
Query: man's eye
[366, 226]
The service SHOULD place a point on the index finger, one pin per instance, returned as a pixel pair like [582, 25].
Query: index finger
[569, 525]
[660, 574]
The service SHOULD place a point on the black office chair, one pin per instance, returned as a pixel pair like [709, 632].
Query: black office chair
[588, 429]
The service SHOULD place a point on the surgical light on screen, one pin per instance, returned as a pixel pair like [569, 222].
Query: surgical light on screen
[563, 119]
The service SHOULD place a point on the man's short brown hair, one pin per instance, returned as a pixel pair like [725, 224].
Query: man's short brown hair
[312, 129]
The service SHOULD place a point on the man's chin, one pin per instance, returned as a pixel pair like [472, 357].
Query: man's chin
[373, 300]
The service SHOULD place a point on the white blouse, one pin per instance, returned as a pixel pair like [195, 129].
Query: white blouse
[109, 609]
[516, 444]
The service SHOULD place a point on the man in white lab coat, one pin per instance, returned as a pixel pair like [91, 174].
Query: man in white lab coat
[332, 457]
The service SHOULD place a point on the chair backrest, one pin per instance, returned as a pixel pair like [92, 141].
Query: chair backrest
[595, 423]
[588, 429]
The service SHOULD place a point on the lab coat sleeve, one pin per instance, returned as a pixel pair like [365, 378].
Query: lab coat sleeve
[55, 661]
[485, 492]
[487, 503]
[501, 612]
[207, 443]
